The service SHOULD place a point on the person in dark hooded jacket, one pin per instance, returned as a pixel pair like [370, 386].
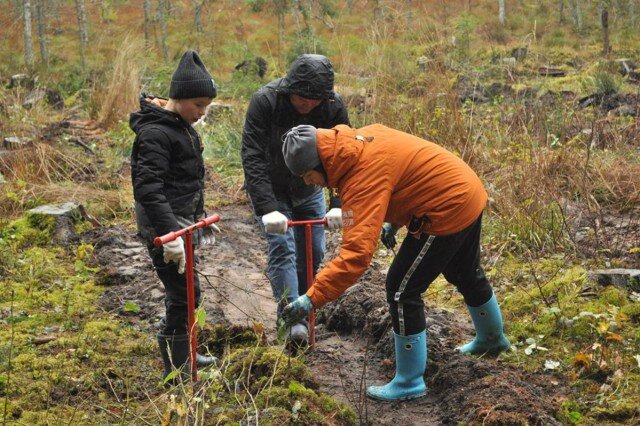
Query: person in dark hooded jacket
[167, 172]
[304, 96]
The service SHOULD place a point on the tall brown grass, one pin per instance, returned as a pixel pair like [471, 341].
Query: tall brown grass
[119, 96]
[41, 163]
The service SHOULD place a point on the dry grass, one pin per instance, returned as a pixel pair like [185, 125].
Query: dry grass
[119, 96]
[41, 163]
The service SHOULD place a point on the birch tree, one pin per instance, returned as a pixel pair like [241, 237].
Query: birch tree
[53, 12]
[501, 13]
[28, 45]
[561, 11]
[577, 14]
[42, 30]
[83, 30]
[146, 5]
[162, 17]
[378, 9]
[198, 5]
[280, 8]
[604, 19]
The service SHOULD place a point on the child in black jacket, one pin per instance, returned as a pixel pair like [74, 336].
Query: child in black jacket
[167, 172]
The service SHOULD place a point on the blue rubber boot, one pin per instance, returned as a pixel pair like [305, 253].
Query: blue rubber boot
[489, 334]
[411, 362]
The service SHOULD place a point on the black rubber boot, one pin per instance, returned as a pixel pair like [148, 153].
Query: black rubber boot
[203, 361]
[175, 356]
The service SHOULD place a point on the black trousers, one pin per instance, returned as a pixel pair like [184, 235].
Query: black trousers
[418, 264]
[175, 288]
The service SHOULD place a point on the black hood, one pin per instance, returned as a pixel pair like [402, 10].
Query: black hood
[310, 76]
[153, 114]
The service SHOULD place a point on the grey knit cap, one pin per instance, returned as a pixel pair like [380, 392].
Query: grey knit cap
[191, 79]
[300, 149]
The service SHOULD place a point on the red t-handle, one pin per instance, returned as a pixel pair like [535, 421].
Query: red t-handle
[309, 254]
[191, 298]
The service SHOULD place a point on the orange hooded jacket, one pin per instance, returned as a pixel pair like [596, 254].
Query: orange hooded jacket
[384, 175]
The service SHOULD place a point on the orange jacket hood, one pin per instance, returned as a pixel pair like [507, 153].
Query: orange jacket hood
[384, 175]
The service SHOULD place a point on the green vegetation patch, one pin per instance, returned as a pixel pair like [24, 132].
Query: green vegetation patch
[560, 321]
[57, 349]
[278, 389]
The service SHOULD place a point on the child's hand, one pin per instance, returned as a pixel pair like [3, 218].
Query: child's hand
[157, 102]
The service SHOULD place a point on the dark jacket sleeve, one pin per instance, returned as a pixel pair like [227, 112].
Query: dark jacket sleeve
[255, 156]
[342, 113]
[341, 117]
[153, 159]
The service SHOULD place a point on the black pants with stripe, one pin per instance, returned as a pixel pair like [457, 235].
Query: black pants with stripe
[418, 264]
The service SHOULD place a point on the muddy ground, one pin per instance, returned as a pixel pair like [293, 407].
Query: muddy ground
[354, 342]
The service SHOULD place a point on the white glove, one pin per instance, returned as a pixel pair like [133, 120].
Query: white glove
[174, 252]
[334, 218]
[275, 223]
[208, 235]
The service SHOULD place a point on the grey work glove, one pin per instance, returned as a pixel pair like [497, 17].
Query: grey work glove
[208, 235]
[275, 223]
[388, 235]
[174, 252]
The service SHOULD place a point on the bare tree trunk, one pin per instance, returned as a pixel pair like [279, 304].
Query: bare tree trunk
[306, 34]
[501, 13]
[409, 14]
[84, 32]
[378, 8]
[350, 5]
[28, 46]
[53, 12]
[162, 17]
[577, 15]
[280, 14]
[633, 13]
[604, 18]
[561, 11]
[42, 33]
[146, 5]
[104, 10]
[197, 18]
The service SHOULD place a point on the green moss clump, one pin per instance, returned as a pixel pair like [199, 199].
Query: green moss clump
[30, 230]
[219, 338]
[260, 367]
[632, 311]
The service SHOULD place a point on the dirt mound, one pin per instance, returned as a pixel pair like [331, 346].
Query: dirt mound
[471, 390]
[465, 388]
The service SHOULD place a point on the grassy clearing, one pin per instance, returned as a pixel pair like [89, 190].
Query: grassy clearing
[66, 361]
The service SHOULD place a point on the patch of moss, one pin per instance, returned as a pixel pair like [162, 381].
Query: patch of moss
[257, 367]
[632, 311]
[220, 338]
[30, 230]
[620, 412]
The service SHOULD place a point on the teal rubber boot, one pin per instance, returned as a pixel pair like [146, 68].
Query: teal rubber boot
[411, 362]
[490, 337]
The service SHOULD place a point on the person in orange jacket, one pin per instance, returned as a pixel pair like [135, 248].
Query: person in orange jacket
[388, 179]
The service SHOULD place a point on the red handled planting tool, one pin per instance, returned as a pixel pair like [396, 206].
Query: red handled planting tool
[191, 293]
[309, 254]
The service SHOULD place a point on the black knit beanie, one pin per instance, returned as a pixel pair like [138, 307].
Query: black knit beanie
[191, 79]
